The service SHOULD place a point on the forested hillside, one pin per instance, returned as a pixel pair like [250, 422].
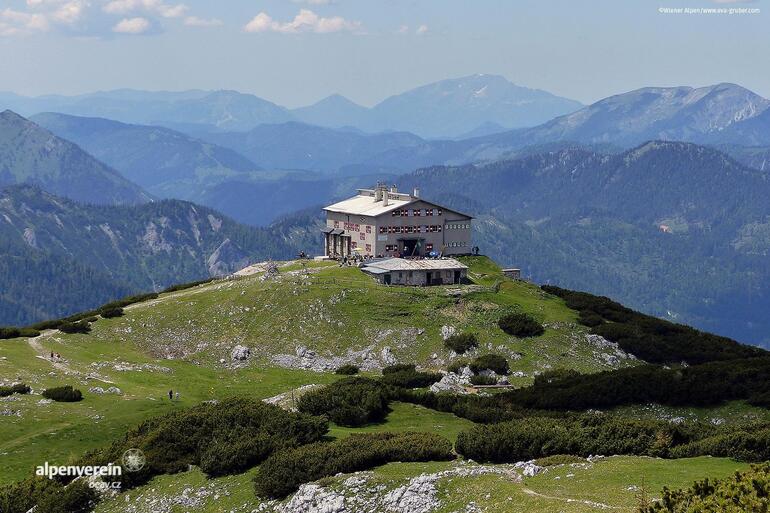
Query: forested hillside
[58, 256]
[30, 154]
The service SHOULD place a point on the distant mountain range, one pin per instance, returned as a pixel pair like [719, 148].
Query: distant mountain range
[443, 109]
[167, 163]
[30, 154]
[58, 256]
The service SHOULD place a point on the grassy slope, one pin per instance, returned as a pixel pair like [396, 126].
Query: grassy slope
[329, 310]
[614, 482]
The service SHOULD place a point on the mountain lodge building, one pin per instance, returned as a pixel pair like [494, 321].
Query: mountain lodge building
[383, 222]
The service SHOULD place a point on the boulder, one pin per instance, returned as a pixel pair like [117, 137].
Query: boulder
[447, 331]
[240, 352]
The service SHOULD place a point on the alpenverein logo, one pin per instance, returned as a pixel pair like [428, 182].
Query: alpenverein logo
[134, 460]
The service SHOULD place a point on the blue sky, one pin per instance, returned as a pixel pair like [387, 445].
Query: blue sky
[295, 52]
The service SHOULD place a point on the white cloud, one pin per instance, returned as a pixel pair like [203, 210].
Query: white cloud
[421, 30]
[132, 26]
[403, 29]
[305, 21]
[151, 6]
[14, 22]
[194, 21]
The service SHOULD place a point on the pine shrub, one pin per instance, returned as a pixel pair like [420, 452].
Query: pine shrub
[65, 394]
[462, 343]
[520, 325]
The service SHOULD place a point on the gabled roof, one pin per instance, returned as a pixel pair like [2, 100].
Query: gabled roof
[366, 206]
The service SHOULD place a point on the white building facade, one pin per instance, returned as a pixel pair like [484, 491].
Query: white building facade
[383, 222]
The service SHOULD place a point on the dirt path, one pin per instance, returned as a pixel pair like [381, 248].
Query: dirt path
[58, 364]
[596, 505]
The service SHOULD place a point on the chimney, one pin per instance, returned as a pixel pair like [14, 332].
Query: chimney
[394, 189]
[378, 193]
[416, 193]
[385, 198]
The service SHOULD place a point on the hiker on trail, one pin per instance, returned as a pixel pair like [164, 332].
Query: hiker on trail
[51, 355]
[170, 395]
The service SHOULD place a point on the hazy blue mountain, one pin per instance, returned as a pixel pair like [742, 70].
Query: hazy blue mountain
[452, 107]
[218, 110]
[334, 111]
[58, 256]
[674, 228]
[671, 113]
[486, 128]
[757, 157]
[163, 161]
[31, 154]
[300, 146]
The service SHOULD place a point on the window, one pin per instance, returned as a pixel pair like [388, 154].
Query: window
[395, 213]
[362, 236]
[416, 212]
[368, 228]
[353, 245]
[428, 212]
[439, 212]
[383, 229]
[336, 224]
[404, 212]
[429, 247]
[368, 248]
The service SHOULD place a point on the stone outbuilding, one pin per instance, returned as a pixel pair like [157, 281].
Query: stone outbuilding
[421, 272]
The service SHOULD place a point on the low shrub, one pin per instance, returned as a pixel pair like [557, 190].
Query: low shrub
[457, 365]
[347, 370]
[65, 394]
[17, 388]
[462, 343]
[111, 312]
[537, 437]
[520, 325]
[283, 472]
[744, 444]
[590, 319]
[352, 402]
[399, 367]
[559, 459]
[742, 492]
[493, 362]
[483, 380]
[75, 327]
[225, 438]
[77, 497]
[183, 286]
[24, 495]
[411, 378]
[8, 333]
[648, 338]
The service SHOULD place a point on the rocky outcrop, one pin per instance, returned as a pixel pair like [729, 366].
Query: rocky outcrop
[228, 257]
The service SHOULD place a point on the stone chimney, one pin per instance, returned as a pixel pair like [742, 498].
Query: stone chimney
[393, 189]
[416, 193]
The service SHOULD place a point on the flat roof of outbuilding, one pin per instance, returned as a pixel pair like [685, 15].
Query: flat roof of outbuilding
[404, 264]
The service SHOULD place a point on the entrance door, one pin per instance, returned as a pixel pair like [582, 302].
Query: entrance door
[411, 248]
[458, 276]
[386, 279]
[429, 278]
